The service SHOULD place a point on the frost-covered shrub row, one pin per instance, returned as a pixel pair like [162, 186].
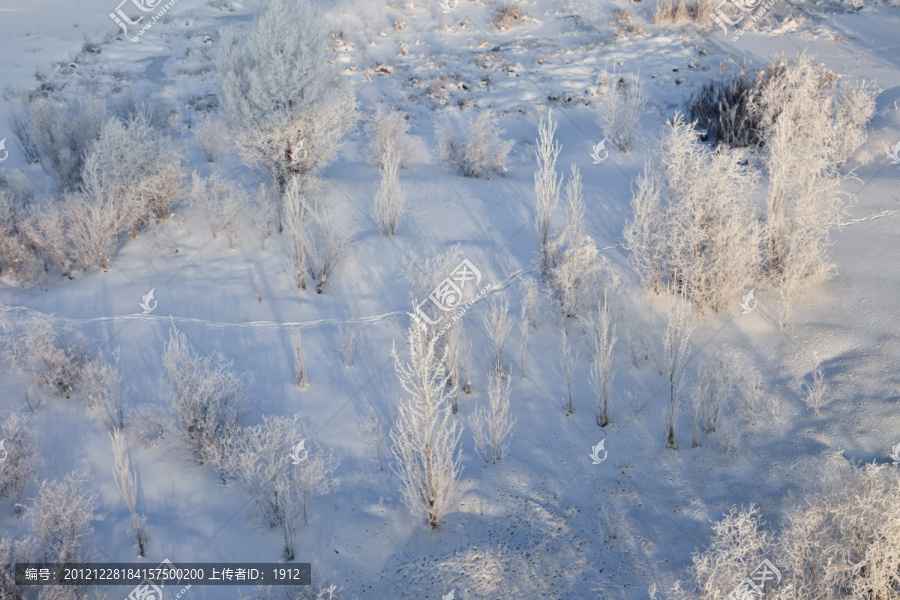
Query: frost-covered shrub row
[129, 178]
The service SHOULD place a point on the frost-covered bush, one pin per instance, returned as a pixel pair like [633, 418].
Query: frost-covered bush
[101, 383]
[47, 353]
[203, 396]
[390, 200]
[841, 541]
[694, 227]
[220, 203]
[479, 152]
[619, 107]
[209, 136]
[388, 134]
[61, 517]
[260, 458]
[281, 93]
[21, 459]
[57, 133]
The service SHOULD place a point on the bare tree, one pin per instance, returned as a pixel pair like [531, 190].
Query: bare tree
[567, 362]
[297, 350]
[425, 437]
[102, 387]
[204, 399]
[602, 342]
[21, 462]
[677, 345]
[497, 325]
[492, 427]
[547, 186]
[127, 482]
[371, 429]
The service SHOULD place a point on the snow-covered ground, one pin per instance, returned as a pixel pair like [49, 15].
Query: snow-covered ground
[533, 525]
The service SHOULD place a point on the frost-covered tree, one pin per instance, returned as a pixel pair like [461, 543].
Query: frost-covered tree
[348, 343]
[390, 200]
[101, 384]
[263, 463]
[297, 354]
[425, 437]
[694, 224]
[547, 185]
[204, 400]
[21, 462]
[492, 426]
[326, 242]
[577, 272]
[221, 204]
[567, 364]
[287, 104]
[676, 341]
[601, 342]
[127, 483]
[498, 324]
[619, 107]
[810, 126]
[294, 220]
[371, 429]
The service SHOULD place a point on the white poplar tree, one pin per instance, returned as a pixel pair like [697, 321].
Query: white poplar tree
[425, 437]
